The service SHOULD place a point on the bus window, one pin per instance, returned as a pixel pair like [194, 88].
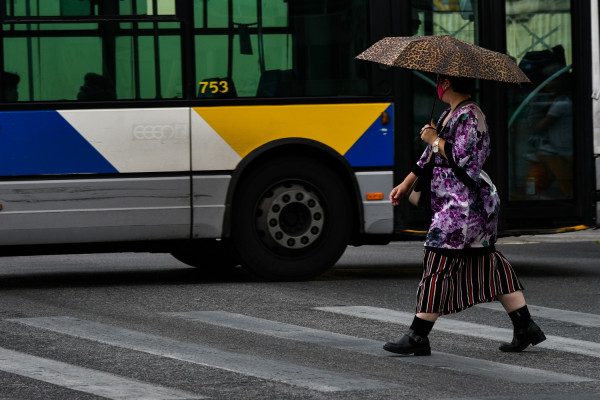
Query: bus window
[29, 8]
[281, 48]
[541, 113]
[51, 68]
[135, 61]
[148, 65]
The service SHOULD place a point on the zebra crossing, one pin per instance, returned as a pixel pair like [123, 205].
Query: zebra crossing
[571, 317]
[467, 328]
[466, 365]
[259, 367]
[113, 386]
[86, 380]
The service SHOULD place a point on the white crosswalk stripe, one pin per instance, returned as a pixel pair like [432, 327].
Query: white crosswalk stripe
[591, 349]
[86, 380]
[116, 387]
[250, 365]
[571, 317]
[468, 365]
[529, 396]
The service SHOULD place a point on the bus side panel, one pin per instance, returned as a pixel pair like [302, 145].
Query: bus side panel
[210, 192]
[595, 55]
[355, 131]
[222, 136]
[137, 140]
[60, 200]
[94, 210]
[210, 153]
[379, 216]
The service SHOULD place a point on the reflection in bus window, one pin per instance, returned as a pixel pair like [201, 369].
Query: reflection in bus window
[550, 116]
[541, 113]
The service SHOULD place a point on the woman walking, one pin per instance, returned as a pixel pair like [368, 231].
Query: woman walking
[461, 266]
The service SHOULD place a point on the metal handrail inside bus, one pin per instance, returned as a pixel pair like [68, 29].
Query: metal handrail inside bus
[536, 91]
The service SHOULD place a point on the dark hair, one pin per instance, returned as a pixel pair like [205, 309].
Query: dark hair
[460, 84]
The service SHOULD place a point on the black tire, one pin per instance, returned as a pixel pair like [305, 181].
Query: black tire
[207, 254]
[292, 219]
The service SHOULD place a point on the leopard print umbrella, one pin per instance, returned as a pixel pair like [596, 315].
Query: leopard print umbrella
[444, 55]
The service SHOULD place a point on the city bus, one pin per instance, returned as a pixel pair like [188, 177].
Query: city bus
[245, 132]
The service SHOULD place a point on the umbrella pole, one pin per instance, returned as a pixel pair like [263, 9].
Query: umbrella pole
[432, 108]
[435, 97]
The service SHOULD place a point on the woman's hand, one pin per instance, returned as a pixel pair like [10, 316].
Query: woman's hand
[397, 193]
[429, 133]
[402, 189]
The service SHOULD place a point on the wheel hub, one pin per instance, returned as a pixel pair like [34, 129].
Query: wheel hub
[290, 216]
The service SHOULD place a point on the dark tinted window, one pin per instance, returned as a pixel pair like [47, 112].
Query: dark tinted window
[94, 61]
[280, 48]
[65, 8]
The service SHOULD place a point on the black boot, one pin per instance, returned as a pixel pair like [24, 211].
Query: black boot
[526, 332]
[415, 341]
[410, 344]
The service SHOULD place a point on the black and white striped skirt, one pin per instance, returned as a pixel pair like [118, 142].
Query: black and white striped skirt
[454, 281]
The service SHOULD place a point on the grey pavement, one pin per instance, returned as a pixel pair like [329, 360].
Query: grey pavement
[584, 235]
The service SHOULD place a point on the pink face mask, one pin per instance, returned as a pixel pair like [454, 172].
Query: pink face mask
[440, 90]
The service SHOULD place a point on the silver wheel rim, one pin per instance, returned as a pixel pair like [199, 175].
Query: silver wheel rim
[290, 216]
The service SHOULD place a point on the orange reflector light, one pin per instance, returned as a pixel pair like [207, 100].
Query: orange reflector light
[385, 118]
[374, 196]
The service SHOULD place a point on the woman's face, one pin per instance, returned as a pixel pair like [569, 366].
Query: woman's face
[442, 87]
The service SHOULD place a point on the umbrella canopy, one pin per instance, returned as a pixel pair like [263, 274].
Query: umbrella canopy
[444, 55]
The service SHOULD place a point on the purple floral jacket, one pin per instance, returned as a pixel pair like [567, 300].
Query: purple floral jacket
[462, 218]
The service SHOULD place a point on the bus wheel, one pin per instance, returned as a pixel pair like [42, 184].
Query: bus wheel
[207, 254]
[292, 219]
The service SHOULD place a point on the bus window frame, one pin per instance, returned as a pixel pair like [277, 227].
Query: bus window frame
[176, 17]
[4, 19]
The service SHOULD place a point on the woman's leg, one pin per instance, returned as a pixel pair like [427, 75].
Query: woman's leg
[512, 301]
[431, 317]
[526, 332]
[415, 340]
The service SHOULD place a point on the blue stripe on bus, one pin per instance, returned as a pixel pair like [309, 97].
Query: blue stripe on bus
[375, 148]
[43, 142]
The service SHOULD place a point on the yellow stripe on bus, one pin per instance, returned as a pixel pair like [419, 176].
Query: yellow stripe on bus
[338, 126]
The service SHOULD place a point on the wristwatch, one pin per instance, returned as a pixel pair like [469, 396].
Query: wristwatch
[436, 146]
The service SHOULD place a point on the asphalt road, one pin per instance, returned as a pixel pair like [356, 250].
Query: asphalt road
[144, 326]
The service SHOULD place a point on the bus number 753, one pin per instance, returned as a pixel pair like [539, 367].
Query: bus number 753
[214, 87]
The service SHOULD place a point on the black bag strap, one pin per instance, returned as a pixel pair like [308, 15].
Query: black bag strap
[458, 171]
[426, 172]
